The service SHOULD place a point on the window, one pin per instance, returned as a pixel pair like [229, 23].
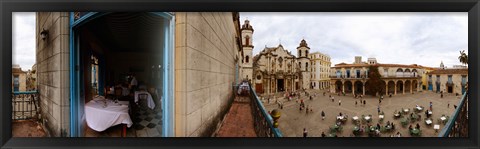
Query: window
[247, 59]
[247, 41]
[464, 79]
[449, 78]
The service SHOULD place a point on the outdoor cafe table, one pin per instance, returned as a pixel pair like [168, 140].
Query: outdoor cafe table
[406, 110]
[419, 108]
[396, 115]
[332, 135]
[430, 112]
[355, 118]
[99, 117]
[428, 121]
[340, 117]
[415, 131]
[356, 129]
[367, 118]
[381, 116]
[436, 127]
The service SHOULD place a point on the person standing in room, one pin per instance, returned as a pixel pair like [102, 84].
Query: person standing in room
[133, 83]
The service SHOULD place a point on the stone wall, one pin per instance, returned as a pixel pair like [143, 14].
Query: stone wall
[205, 50]
[52, 58]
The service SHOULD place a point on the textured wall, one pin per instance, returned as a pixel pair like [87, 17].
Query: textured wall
[205, 49]
[52, 58]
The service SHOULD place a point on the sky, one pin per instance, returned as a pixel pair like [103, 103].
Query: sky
[424, 38]
[24, 43]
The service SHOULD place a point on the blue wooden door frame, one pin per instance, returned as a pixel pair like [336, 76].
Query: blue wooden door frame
[168, 73]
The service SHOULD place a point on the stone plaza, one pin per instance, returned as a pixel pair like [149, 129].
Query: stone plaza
[293, 121]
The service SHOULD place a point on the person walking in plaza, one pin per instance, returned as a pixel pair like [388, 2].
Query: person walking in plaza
[323, 115]
[448, 105]
[305, 133]
[323, 134]
[356, 103]
[364, 102]
[333, 99]
[339, 102]
[378, 109]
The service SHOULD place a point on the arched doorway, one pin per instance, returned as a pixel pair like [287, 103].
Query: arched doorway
[348, 87]
[399, 87]
[358, 87]
[391, 87]
[338, 86]
[415, 85]
[407, 86]
[107, 48]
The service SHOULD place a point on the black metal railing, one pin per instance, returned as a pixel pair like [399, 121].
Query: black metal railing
[25, 105]
[263, 121]
[457, 126]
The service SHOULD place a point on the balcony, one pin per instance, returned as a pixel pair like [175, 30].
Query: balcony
[263, 121]
[457, 126]
[25, 105]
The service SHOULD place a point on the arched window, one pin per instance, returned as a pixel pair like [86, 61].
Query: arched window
[306, 66]
[247, 59]
[247, 40]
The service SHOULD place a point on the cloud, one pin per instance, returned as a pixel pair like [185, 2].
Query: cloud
[424, 38]
[24, 44]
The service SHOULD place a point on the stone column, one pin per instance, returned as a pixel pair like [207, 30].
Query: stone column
[403, 89]
[343, 87]
[363, 89]
[353, 89]
[411, 88]
[386, 89]
[395, 88]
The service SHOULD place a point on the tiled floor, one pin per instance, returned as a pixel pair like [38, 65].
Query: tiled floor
[27, 128]
[239, 121]
[146, 123]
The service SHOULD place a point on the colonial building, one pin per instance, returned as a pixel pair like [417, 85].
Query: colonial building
[448, 80]
[19, 79]
[320, 70]
[396, 78]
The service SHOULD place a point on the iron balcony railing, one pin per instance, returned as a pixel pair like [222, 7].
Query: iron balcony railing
[25, 105]
[263, 121]
[457, 126]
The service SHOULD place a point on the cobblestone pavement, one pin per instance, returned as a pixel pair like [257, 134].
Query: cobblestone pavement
[239, 120]
[292, 121]
[27, 128]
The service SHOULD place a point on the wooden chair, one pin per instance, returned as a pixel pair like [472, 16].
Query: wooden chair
[142, 100]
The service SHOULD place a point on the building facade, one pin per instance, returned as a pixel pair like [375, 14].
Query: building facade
[451, 81]
[320, 70]
[396, 78]
[19, 79]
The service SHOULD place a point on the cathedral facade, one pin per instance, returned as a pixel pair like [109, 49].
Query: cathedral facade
[276, 69]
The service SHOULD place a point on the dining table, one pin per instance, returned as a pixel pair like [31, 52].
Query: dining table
[355, 118]
[102, 113]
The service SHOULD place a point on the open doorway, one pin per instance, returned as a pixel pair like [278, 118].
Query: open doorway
[120, 67]
[280, 86]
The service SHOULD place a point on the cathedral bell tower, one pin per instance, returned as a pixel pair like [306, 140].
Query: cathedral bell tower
[304, 63]
[247, 48]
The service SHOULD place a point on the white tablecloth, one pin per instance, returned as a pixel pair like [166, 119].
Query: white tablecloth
[436, 126]
[419, 108]
[355, 118]
[443, 118]
[367, 117]
[99, 118]
[150, 102]
[428, 122]
[380, 116]
[339, 117]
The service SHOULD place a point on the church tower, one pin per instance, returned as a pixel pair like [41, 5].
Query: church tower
[304, 63]
[247, 46]
[441, 65]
